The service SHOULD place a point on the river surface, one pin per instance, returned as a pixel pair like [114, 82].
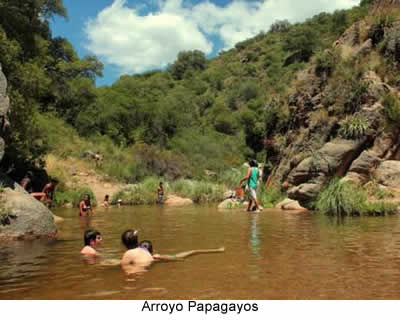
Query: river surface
[271, 255]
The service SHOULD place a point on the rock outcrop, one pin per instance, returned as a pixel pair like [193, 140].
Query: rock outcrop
[24, 218]
[174, 201]
[4, 106]
[315, 150]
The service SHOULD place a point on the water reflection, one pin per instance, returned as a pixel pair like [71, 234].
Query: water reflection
[254, 242]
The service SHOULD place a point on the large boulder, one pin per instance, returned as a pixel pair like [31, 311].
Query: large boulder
[175, 201]
[334, 158]
[388, 173]
[24, 218]
[289, 204]
[362, 167]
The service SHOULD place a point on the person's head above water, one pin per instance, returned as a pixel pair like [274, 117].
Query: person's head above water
[146, 244]
[91, 235]
[253, 163]
[107, 197]
[130, 239]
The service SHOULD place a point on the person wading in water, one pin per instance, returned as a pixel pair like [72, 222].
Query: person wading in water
[252, 177]
[85, 206]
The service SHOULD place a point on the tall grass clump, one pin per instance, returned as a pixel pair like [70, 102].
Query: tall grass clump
[379, 208]
[146, 191]
[198, 191]
[270, 196]
[341, 199]
[138, 194]
[353, 128]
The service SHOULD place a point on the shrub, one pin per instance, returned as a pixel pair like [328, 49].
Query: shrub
[145, 192]
[353, 128]
[377, 31]
[392, 108]
[66, 195]
[355, 96]
[280, 26]
[326, 62]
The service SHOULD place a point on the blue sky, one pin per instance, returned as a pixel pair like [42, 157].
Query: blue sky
[132, 36]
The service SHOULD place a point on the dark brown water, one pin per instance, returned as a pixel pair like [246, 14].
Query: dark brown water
[273, 255]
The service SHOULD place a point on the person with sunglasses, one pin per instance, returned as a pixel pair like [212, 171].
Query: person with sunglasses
[91, 240]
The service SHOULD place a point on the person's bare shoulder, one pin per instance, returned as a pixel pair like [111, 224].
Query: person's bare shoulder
[89, 251]
[137, 257]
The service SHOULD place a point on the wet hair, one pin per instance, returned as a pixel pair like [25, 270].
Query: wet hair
[106, 197]
[253, 163]
[161, 182]
[146, 244]
[130, 239]
[89, 236]
[55, 181]
[87, 202]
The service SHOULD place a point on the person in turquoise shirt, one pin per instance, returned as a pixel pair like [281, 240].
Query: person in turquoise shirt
[252, 177]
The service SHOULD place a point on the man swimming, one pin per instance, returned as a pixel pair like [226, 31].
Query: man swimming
[91, 240]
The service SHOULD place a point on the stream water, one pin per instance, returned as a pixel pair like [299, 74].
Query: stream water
[271, 255]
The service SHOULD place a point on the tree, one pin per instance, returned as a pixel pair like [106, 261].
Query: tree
[301, 40]
[187, 61]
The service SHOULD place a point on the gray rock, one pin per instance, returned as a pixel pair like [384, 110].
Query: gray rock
[305, 192]
[367, 161]
[388, 173]
[289, 204]
[24, 217]
[229, 194]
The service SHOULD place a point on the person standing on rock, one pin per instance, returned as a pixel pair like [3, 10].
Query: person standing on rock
[252, 177]
[47, 194]
[85, 206]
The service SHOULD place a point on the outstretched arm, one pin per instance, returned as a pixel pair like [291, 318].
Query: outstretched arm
[182, 255]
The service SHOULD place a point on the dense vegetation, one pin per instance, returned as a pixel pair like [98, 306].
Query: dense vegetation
[196, 118]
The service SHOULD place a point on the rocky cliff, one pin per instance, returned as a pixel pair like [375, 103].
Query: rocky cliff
[348, 89]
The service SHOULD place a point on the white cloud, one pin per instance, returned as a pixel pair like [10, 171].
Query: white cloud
[135, 42]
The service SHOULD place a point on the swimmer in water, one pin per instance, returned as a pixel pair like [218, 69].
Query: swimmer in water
[91, 239]
[135, 259]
